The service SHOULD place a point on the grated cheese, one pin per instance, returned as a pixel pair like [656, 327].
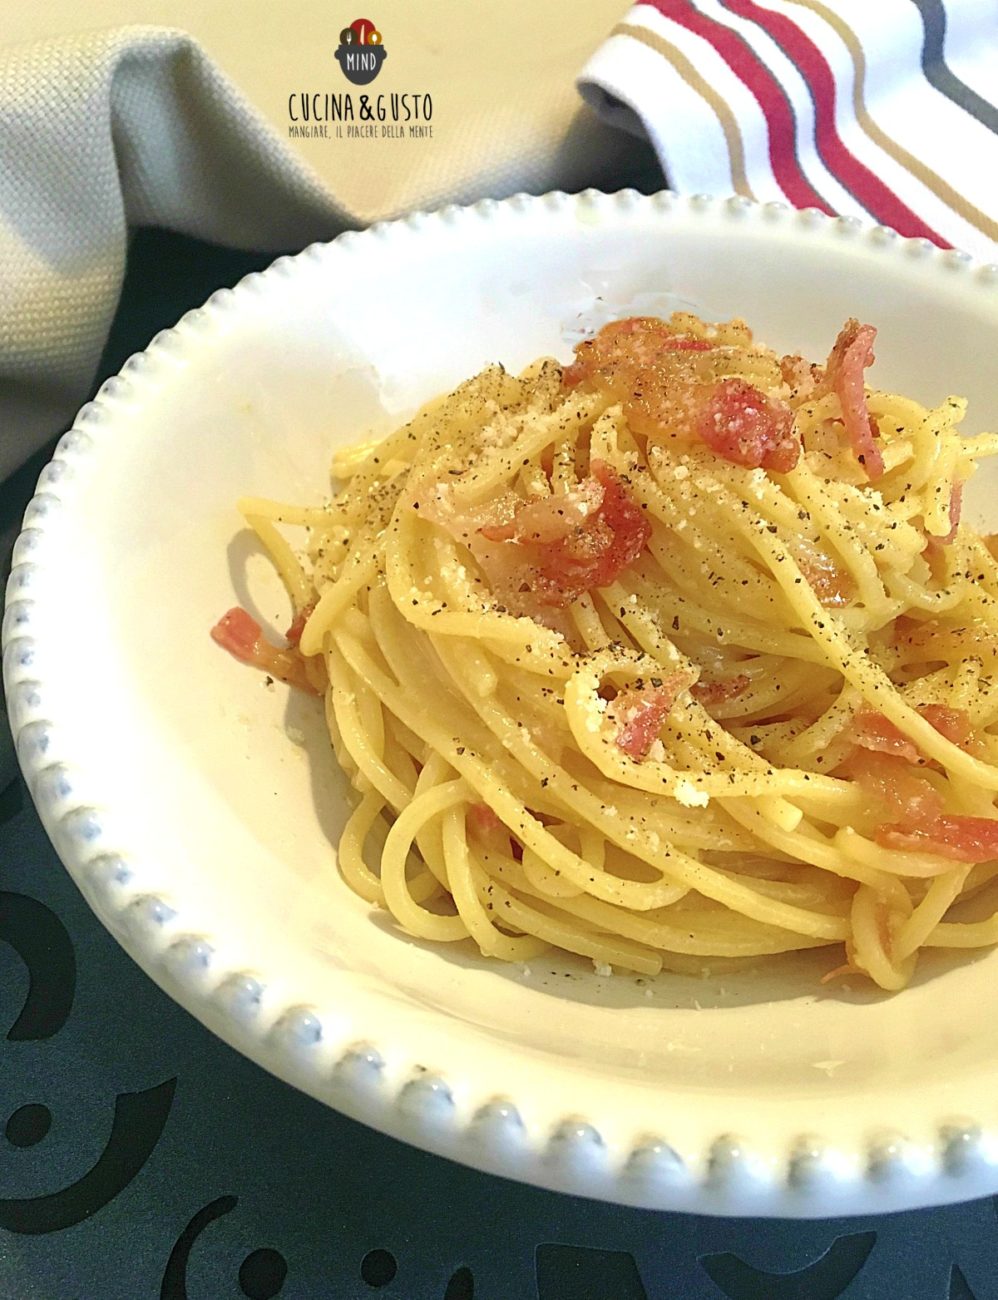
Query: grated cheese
[689, 796]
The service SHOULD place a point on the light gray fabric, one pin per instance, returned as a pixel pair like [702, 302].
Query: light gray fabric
[99, 132]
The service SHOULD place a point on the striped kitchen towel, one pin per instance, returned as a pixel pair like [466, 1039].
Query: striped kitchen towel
[881, 109]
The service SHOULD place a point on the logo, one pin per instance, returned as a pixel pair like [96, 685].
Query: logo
[361, 52]
[321, 113]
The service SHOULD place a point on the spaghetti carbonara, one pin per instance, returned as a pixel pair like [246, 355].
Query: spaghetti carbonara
[678, 655]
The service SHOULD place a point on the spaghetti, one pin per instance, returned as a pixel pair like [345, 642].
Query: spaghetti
[677, 655]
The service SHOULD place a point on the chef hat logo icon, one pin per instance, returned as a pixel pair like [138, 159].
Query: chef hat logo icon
[361, 52]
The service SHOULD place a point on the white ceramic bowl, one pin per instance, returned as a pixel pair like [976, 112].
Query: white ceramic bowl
[196, 809]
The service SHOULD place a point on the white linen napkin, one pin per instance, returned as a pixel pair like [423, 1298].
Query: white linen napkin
[881, 110]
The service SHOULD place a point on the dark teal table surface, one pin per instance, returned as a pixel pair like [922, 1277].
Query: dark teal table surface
[142, 1158]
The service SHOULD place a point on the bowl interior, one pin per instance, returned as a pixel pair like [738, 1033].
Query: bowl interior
[222, 793]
